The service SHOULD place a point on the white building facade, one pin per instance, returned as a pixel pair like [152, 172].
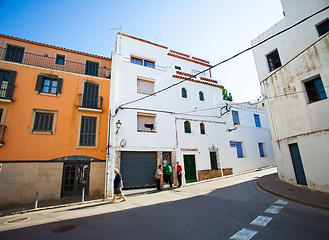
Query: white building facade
[187, 122]
[293, 72]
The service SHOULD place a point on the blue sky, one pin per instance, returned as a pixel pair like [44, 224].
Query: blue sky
[210, 29]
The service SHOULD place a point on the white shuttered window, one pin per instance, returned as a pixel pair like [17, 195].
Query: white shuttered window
[145, 122]
[145, 86]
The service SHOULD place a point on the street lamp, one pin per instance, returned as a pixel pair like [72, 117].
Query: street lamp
[118, 125]
[232, 129]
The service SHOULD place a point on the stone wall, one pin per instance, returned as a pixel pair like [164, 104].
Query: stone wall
[97, 178]
[209, 174]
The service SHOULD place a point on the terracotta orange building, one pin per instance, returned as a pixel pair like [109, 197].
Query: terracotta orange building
[53, 121]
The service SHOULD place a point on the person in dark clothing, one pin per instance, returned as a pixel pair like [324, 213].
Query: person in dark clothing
[179, 174]
[118, 185]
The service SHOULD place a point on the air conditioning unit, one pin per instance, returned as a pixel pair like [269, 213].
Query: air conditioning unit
[108, 74]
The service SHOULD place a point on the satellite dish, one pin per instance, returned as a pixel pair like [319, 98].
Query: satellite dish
[123, 143]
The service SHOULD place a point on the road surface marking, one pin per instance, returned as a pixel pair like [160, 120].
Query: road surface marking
[261, 221]
[281, 202]
[244, 234]
[273, 209]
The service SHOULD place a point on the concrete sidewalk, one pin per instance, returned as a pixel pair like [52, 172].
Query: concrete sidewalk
[271, 183]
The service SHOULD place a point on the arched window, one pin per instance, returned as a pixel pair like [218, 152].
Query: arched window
[184, 93]
[201, 97]
[187, 127]
[202, 129]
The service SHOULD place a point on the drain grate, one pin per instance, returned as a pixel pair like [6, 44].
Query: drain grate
[63, 229]
[17, 220]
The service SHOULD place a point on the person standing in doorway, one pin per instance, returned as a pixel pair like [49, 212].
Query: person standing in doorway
[158, 174]
[169, 174]
[118, 185]
[179, 174]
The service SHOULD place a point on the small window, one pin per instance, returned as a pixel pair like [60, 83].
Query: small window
[315, 90]
[14, 54]
[323, 27]
[91, 68]
[49, 84]
[273, 60]
[145, 87]
[178, 68]
[60, 59]
[235, 116]
[201, 96]
[202, 129]
[145, 123]
[184, 93]
[187, 127]
[43, 121]
[136, 60]
[239, 149]
[88, 131]
[261, 149]
[149, 64]
[257, 120]
[7, 84]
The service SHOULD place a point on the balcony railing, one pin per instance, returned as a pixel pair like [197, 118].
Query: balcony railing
[86, 101]
[2, 134]
[49, 62]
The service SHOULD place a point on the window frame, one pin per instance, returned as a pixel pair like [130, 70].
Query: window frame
[99, 97]
[261, 149]
[14, 45]
[43, 132]
[92, 61]
[10, 84]
[187, 127]
[64, 59]
[202, 129]
[4, 114]
[201, 96]
[235, 117]
[142, 61]
[240, 144]
[148, 115]
[184, 93]
[97, 116]
[274, 67]
[307, 90]
[142, 79]
[40, 84]
[319, 24]
[257, 120]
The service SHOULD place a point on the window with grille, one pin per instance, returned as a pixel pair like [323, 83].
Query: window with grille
[323, 27]
[91, 68]
[184, 93]
[145, 123]
[257, 120]
[315, 90]
[239, 149]
[235, 116]
[43, 122]
[187, 127]
[14, 54]
[144, 86]
[261, 149]
[202, 129]
[273, 60]
[88, 131]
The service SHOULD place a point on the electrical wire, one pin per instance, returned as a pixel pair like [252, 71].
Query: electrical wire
[226, 60]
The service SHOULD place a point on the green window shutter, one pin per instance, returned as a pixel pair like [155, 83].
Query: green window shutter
[11, 85]
[59, 85]
[201, 96]
[38, 86]
[184, 93]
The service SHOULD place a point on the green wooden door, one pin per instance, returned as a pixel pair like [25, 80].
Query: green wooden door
[190, 169]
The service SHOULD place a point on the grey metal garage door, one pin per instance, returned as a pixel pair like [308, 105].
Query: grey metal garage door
[138, 169]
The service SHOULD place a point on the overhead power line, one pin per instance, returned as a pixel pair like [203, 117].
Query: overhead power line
[226, 60]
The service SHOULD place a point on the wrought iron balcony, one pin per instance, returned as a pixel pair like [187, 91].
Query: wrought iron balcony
[52, 63]
[89, 101]
[2, 134]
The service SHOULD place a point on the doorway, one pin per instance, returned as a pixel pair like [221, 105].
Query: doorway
[297, 164]
[190, 169]
[75, 178]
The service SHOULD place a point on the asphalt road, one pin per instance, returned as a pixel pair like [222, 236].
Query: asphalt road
[230, 208]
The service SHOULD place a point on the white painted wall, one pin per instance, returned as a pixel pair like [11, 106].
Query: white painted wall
[170, 135]
[292, 118]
